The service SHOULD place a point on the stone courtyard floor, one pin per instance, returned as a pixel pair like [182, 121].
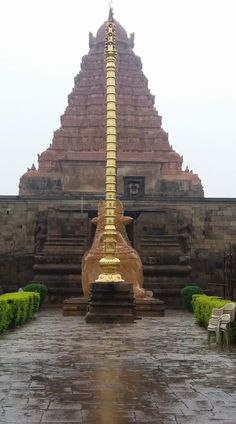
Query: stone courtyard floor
[59, 369]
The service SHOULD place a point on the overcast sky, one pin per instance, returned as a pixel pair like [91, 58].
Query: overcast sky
[188, 52]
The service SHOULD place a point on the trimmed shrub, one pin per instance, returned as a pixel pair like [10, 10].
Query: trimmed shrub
[187, 293]
[22, 306]
[202, 308]
[5, 314]
[38, 288]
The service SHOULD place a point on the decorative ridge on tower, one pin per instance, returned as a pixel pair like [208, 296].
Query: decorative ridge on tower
[109, 263]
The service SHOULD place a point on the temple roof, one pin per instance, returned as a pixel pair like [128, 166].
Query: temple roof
[80, 141]
[121, 34]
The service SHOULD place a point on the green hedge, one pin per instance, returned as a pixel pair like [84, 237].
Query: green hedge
[5, 315]
[202, 307]
[187, 293]
[16, 308]
[40, 288]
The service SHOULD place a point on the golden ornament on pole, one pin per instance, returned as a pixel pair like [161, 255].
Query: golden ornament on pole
[109, 263]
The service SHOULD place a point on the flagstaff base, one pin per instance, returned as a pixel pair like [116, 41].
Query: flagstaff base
[111, 303]
[146, 307]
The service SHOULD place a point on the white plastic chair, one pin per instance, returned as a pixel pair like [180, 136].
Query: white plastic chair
[213, 329]
[224, 328]
[216, 313]
[229, 308]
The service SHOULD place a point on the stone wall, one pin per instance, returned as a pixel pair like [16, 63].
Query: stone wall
[204, 229]
[21, 222]
[165, 231]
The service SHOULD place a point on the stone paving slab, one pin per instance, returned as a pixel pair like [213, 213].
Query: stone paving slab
[59, 369]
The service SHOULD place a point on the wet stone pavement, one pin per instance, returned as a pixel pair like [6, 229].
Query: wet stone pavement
[59, 369]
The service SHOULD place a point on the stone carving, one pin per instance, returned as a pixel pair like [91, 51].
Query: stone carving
[40, 234]
[208, 230]
[33, 168]
[131, 40]
[184, 236]
[131, 265]
[134, 188]
[91, 40]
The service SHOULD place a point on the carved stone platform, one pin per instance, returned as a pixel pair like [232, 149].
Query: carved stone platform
[150, 307]
[77, 306]
[111, 302]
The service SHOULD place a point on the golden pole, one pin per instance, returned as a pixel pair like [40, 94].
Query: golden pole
[109, 263]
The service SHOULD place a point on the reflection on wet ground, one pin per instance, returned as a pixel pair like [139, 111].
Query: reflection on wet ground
[159, 370]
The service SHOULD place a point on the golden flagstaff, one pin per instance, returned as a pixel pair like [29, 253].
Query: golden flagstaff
[109, 263]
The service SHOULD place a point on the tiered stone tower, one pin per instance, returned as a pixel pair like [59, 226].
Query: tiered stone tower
[75, 161]
[149, 175]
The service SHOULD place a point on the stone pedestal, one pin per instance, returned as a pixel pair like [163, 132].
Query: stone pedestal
[111, 302]
[147, 307]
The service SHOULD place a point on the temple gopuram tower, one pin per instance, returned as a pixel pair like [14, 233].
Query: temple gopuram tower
[74, 163]
[46, 230]
[69, 182]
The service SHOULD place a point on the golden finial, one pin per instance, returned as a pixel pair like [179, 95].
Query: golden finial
[111, 12]
[110, 37]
